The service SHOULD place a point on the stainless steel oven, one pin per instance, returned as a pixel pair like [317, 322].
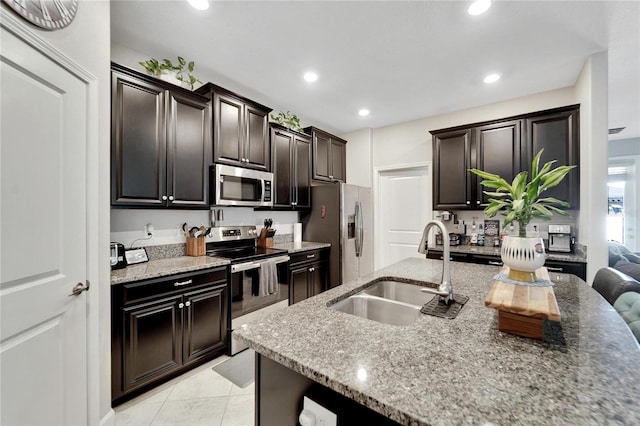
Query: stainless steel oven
[236, 186]
[258, 282]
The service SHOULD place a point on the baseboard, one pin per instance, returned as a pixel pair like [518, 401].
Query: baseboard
[109, 419]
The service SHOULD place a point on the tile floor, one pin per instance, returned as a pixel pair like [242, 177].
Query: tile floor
[199, 397]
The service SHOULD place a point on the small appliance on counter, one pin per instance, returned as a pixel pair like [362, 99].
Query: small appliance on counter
[117, 257]
[560, 239]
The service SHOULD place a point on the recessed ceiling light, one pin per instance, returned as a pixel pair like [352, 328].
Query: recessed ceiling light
[310, 76]
[492, 78]
[363, 112]
[199, 4]
[479, 6]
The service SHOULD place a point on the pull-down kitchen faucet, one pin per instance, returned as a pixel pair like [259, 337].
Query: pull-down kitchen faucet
[445, 290]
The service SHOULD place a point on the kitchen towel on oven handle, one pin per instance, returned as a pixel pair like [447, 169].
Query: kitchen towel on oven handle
[268, 277]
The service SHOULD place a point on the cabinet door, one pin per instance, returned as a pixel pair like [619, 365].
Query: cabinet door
[205, 322]
[452, 184]
[256, 149]
[338, 161]
[228, 130]
[152, 341]
[498, 152]
[189, 152]
[558, 134]
[302, 181]
[281, 143]
[298, 284]
[138, 142]
[321, 156]
[317, 278]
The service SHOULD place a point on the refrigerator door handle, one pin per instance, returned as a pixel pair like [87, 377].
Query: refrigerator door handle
[359, 223]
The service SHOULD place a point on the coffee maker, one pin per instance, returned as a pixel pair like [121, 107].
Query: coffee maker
[560, 239]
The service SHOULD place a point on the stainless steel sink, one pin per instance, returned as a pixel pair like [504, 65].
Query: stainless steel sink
[377, 309]
[400, 291]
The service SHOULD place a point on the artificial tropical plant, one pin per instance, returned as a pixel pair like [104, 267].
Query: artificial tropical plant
[288, 120]
[520, 201]
[182, 69]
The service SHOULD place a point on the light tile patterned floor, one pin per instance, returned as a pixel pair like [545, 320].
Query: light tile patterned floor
[199, 397]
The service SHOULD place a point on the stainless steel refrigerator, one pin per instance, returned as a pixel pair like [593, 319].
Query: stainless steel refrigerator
[341, 214]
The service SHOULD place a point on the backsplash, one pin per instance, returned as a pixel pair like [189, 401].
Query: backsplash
[128, 225]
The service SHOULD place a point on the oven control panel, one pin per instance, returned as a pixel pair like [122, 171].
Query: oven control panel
[231, 233]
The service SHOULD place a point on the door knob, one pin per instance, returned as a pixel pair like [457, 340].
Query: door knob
[79, 288]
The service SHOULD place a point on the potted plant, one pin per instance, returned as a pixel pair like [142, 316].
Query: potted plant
[173, 73]
[288, 120]
[520, 201]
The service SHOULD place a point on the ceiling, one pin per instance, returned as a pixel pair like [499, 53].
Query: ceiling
[401, 60]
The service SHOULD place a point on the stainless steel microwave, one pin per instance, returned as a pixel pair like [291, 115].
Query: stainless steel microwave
[236, 186]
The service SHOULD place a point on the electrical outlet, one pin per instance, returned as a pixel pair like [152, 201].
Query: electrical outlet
[148, 230]
[320, 415]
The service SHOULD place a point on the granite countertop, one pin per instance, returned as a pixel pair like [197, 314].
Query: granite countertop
[179, 264]
[292, 247]
[165, 267]
[464, 371]
[495, 251]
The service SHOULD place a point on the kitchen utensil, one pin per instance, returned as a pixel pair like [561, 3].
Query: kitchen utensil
[203, 231]
[193, 230]
[185, 229]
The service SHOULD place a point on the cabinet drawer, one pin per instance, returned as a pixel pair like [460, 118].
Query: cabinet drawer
[578, 269]
[141, 290]
[308, 256]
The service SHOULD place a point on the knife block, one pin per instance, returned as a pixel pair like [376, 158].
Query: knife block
[195, 246]
[263, 240]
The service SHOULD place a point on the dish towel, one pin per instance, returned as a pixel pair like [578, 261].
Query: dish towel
[268, 278]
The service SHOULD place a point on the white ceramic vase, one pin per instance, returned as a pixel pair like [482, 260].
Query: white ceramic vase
[523, 255]
[170, 77]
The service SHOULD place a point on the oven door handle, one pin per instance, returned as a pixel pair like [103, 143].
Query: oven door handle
[255, 265]
[244, 267]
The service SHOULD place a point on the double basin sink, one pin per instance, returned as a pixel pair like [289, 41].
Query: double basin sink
[386, 301]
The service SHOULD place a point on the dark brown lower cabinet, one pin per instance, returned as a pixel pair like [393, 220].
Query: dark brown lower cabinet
[163, 327]
[308, 275]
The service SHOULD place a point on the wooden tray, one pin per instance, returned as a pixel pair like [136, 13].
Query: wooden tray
[522, 309]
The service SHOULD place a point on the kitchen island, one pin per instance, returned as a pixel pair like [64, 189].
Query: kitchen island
[438, 371]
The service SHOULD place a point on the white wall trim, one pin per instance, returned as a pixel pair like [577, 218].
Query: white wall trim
[377, 226]
[109, 419]
[17, 27]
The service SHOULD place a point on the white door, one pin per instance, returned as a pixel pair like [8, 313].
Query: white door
[43, 364]
[403, 203]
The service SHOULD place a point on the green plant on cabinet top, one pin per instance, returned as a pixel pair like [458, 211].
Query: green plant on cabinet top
[183, 70]
[288, 120]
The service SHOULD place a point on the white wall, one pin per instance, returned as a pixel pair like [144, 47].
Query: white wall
[359, 157]
[591, 91]
[621, 147]
[86, 41]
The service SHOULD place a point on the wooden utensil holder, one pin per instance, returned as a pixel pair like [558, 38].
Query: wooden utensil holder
[263, 240]
[195, 246]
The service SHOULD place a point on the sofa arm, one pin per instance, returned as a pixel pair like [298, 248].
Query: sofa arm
[611, 283]
[628, 306]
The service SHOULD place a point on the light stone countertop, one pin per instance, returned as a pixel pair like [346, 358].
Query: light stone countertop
[292, 247]
[438, 371]
[495, 251]
[180, 264]
[165, 267]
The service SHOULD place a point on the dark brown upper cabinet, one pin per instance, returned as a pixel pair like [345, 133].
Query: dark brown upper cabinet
[240, 129]
[329, 156]
[291, 166]
[160, 143]
[504, 147]
[558, 133]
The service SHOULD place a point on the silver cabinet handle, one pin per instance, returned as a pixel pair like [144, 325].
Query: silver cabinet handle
[478, 202]
[491, 262]
[312, 269]
[164, 198]
[331, 177]
[181, 283]
[181, 305]
[187, 303]
[557, 269]
[468, 202]
[79, 288]
[170, 197]
[311, 256]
